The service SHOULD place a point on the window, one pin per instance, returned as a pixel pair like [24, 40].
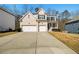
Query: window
[28, 16]
[41, 16]
[52, 18]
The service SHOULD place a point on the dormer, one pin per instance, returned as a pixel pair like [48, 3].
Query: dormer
[41, 14]
[41, 11]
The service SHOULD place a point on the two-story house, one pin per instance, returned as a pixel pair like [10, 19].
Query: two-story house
[38, 22]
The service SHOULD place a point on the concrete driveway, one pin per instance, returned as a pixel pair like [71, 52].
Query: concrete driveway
[32, 43]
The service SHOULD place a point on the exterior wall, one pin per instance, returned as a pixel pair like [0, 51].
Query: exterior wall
[43, 23]
[72, 27]
[28, 21]
[42, 26]
[36, 16]
[6, 21]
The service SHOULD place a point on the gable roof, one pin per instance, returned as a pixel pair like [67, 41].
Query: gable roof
[72, 21]
[25, 15]
[6, 11]
[41, 9]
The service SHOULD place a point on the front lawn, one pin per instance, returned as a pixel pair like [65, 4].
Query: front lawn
[71, 40]
[6, 33]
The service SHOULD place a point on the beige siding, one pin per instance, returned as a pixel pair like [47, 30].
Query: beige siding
[28, 21]
[43, 23]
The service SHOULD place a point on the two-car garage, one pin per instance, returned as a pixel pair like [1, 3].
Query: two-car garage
[34, 28]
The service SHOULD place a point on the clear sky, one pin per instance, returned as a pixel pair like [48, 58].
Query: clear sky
[59, 7]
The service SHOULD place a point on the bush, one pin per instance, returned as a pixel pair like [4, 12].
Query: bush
[19, 30]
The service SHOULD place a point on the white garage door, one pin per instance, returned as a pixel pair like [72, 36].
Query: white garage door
[29, 29]
[42, 28]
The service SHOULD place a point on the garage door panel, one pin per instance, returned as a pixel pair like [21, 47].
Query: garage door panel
[29, 29]
[42, 28]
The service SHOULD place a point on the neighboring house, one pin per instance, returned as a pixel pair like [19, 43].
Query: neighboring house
[72, 26]
[38, 22]
[7, 20]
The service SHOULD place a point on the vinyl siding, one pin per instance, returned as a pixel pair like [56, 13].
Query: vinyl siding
[72, 27]
[7, 20]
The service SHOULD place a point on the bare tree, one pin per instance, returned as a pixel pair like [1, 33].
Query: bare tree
[1, 5]
[25, 8]
[4, 6]
[49, 11]
[52, 12]
[15, 10]
[66, 14]
[36, 9]
[75, 14]
[31, 9]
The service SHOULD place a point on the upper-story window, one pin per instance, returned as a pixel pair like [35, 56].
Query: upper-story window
[50, 18]
[28, 16]
[41, 16]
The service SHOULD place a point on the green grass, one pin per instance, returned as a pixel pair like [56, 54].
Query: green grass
[71, 40]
